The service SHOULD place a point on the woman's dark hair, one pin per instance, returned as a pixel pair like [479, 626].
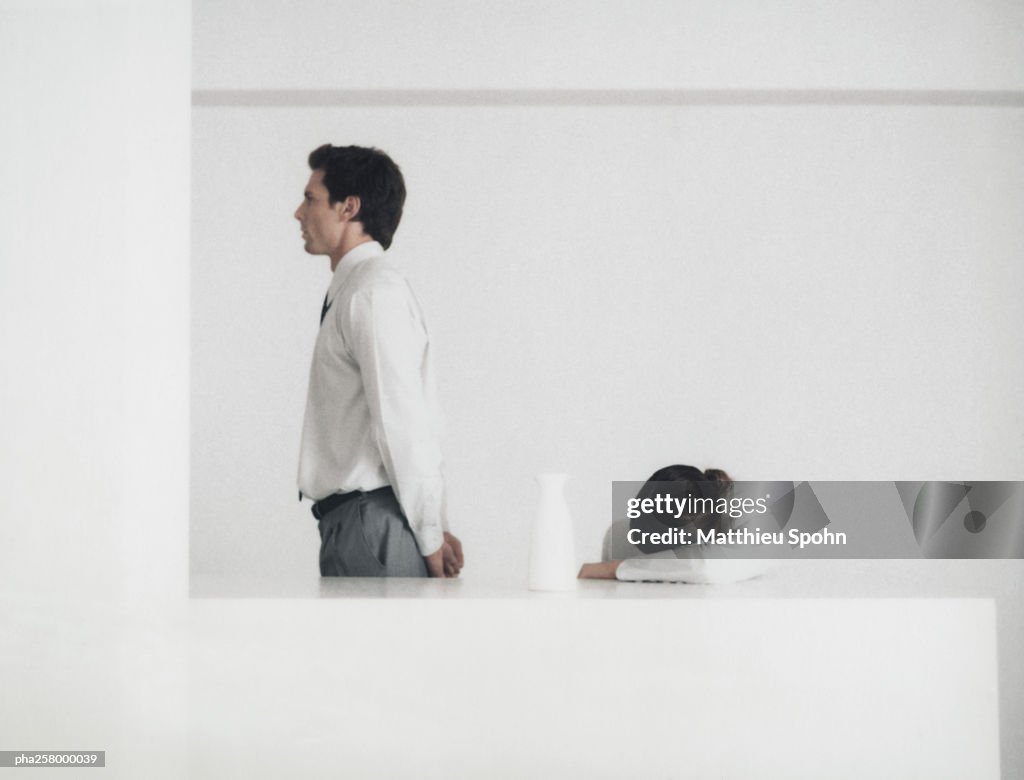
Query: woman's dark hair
[691, 474]
[370, 175]
[683, 483]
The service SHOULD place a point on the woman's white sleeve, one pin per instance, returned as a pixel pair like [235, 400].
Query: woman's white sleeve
[697, 570]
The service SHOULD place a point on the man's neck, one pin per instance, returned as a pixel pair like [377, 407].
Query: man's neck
[345, 247]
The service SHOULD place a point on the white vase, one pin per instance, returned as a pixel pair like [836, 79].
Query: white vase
[552, 562]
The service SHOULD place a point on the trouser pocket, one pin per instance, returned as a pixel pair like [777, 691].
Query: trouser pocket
[344, 549]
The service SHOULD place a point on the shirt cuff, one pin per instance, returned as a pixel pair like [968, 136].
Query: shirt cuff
[429, 540]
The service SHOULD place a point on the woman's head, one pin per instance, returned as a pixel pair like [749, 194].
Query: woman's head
[694, 497]
[691, 474]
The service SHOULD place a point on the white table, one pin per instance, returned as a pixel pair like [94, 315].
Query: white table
[374, 678]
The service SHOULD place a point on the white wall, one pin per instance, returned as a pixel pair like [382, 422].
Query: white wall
[609, 44]
[94, 197]
[94, 299]
[823, 291]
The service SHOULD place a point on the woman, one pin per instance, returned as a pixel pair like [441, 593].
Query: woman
[678, 563]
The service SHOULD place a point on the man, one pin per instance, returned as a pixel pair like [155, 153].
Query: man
[370, 457]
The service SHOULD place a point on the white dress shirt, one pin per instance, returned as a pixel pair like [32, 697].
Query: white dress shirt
[372, 417]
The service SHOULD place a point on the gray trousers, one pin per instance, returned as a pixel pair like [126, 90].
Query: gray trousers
[368, 536]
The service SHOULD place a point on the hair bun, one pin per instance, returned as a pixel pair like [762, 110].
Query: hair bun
[722, 480]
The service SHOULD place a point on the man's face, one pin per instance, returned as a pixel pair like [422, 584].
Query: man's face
[322, 226]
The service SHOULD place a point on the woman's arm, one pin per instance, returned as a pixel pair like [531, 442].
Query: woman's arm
[599, 571]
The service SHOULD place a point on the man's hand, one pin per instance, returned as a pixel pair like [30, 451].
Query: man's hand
[447, 560]
[453, 558]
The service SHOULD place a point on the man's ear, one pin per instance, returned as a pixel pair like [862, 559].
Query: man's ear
[348, 209]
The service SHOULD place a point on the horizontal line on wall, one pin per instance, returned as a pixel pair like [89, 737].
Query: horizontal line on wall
[298, 98]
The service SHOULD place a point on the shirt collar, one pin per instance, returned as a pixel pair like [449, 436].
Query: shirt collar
[348, 262]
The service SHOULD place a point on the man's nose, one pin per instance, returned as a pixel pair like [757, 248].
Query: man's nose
[298, 214]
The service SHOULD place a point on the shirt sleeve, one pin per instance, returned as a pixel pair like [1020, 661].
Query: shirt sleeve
[705, 571]
[389, 342]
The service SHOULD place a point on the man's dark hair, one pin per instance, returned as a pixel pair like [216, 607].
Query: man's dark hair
[370, 175]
